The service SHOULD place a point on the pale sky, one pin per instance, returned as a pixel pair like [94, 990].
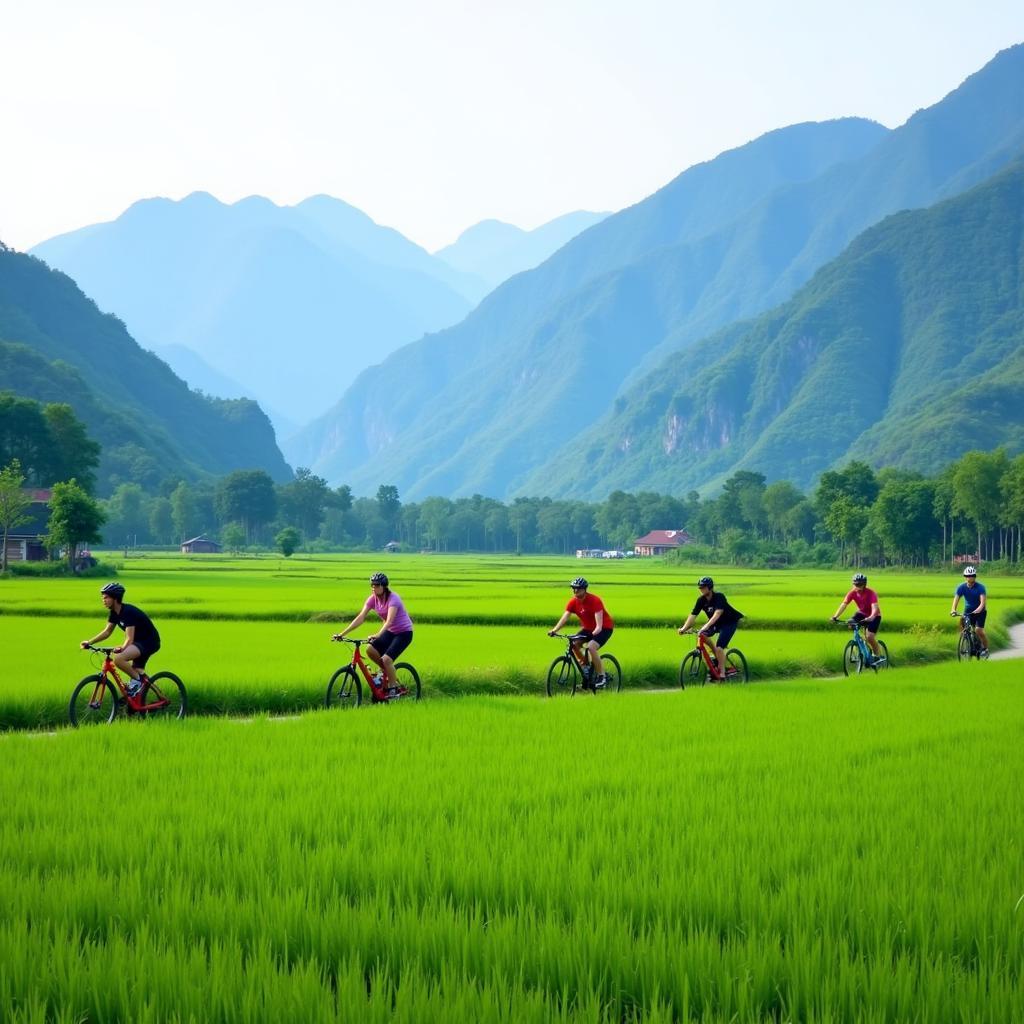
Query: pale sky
[433, 115]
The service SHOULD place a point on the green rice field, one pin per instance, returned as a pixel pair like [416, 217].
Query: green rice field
[252, 634]
[801, 851]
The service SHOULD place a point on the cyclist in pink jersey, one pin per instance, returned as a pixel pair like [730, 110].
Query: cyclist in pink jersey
[394, 636]
[868, 612]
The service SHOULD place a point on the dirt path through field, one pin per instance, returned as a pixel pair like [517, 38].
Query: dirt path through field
[1016, 648]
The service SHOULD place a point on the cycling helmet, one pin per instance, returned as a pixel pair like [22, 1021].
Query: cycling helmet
[115, 590]
[706, 581]
[970, 571]
[859, 578]
[579, 582]
[379, 577]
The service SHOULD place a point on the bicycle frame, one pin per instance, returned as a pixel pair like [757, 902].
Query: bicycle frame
[865, 650]
[707, 653]
[967, 628]
[377, 693]
[111, 677]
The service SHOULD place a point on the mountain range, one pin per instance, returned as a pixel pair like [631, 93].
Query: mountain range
[284, 304]
[56, 346]
[498, 403]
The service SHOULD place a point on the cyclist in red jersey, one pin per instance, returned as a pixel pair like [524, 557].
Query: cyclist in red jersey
[597, 626]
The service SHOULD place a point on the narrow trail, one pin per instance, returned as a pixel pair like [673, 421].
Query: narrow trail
[1016, 648]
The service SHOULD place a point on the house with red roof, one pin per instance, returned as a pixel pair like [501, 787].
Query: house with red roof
[657, 542]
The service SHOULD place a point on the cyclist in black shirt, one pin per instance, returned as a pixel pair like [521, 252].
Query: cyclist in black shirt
[141, 640]
[722, 617]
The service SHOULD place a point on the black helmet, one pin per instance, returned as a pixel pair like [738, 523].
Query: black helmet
[379, 577]
[859, 578]
[579, 582]
[706, 581]
[115, 590]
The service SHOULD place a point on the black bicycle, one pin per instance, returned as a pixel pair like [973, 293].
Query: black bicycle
[574, 669]
[969, 644]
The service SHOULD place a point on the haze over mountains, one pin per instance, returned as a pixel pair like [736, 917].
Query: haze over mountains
[284, 304]
[493, 251]
[485, 406]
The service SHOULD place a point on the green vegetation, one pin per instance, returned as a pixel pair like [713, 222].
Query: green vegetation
[806, 851]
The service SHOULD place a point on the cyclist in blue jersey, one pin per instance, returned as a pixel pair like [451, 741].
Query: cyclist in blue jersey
[975, 604]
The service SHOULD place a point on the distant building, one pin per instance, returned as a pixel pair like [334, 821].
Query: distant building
[200, 546]
[24, 542]
[657, 542]
[392, 547]
[589, 552]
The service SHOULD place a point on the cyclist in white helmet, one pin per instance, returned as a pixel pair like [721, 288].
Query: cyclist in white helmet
[972, 590]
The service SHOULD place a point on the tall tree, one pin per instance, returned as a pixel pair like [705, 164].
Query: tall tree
[247, 496]
[183, 512]
[14, 505]
[389, 505]
[74, 519]
[303, 501]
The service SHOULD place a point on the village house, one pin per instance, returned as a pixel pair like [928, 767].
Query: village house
[200, 546]
[657, 542]
[24, 543]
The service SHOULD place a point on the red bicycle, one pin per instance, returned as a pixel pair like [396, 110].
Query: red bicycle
[346, 691]
[701, 664]
[97, 699]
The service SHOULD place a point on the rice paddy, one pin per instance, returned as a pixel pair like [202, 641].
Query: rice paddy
[809, 849]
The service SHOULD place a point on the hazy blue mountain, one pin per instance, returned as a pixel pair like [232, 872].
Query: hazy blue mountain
[60, 347]
[906, 350]
[493, 251]
[289, 301]
[482, 405]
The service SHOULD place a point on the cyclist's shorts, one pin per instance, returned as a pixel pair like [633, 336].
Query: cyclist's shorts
[724, 633]
[871, 625]
[391, 644]
[144, 655]
[602, 638]
[978, 618]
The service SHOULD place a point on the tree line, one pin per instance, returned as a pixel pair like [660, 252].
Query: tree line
[854, 516]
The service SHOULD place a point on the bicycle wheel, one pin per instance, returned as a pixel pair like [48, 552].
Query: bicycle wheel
[165, 686]
[344, 690]
[408, 679]
[853, 661]
[693, 671]
[967, 648]
[562, 677]
[886, 663]
[736, 666]
[613, 672]
[93, 702]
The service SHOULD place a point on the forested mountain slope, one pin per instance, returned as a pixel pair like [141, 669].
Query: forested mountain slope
[478, 407]
[130, 401]
[907, 350]
[543, 325]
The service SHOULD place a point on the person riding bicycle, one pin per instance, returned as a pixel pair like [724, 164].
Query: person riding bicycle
[868, 613]
[723, 619]
[597, 627]
[395, 635]
[141, 639]
[975, 604]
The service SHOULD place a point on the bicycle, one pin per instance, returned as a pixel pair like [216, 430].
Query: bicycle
[97, 699]
[574, 669]
[701, 663]
[969, 646]
[857, 655]
[346, 691]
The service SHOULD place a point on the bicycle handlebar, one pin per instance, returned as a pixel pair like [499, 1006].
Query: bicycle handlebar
[345, 640]
[570, 636]
[100, 650]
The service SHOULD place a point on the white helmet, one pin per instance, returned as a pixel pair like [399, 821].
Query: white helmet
[970, 571]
